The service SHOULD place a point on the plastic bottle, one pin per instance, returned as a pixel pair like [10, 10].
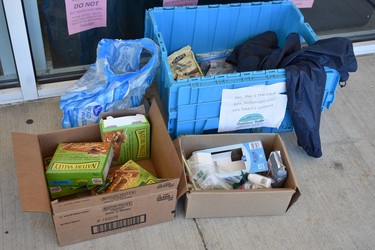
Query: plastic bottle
[260, 180]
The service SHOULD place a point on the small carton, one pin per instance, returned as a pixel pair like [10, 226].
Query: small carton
[129, 135]
[79, 164]
[231, 160]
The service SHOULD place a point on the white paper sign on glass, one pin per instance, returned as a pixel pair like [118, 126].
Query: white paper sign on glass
[303, 3]
[253, 107]
[83, 15]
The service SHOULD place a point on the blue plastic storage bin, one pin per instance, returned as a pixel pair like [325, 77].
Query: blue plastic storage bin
[193, 105]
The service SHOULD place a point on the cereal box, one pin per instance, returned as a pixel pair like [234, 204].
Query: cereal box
[80, 164]
[129, 135]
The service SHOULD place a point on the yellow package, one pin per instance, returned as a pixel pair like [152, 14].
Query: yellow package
[127, 176]
[183, 64]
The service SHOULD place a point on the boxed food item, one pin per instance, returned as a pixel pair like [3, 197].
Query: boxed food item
[234, 202]
[129, 135]
[128, 175]
[230, 160]
[94, 216]
[79, 164]
[62, 191]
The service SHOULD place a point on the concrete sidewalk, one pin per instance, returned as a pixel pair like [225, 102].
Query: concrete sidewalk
[335, 211]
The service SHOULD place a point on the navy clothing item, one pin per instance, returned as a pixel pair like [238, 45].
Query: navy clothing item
[305, 76]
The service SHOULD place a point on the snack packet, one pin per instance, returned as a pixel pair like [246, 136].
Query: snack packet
[214, 63]
[183, 64]
[127, 176]
[217, 67]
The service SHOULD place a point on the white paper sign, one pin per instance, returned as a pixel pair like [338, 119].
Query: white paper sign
[303, 3]
[253, 107]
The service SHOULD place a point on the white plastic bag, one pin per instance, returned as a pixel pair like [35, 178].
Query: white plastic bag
[117, 80]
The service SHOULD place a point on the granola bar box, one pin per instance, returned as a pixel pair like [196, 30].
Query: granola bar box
[129, 135]
[80, 164]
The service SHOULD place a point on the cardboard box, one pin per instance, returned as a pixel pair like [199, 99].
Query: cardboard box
[90, 217]
[223, 203]
[129, 135]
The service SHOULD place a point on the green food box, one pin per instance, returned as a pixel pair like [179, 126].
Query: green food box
[80, 164]
[129, 135]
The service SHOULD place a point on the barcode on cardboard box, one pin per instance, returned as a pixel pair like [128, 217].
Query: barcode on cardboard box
[114, 225]
[255, 145]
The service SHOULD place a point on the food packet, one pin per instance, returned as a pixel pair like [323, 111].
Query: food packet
[217, 67]
[214, 63]
[183, 64]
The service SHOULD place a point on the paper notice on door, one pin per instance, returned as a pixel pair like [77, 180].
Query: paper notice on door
[303, 3]
[253, 107]
[179, 2]
[83, 15]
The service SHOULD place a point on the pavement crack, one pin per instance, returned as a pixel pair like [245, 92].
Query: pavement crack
[200, 234]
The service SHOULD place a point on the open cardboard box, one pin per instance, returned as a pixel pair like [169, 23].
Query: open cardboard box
[89, 217]
[223, 203]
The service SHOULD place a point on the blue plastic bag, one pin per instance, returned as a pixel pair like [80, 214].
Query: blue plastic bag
[121, 75]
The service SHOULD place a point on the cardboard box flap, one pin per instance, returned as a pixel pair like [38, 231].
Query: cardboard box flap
[294, 199]
[49, 141]
[33, 195]
[125, 112]
[182, 185]
[237, 203]
[218, 140]
[63, 206]
[162, 147]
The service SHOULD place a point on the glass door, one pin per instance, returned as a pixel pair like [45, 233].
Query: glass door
[18, 79]
[8, 76]
[60, 54]
[346, 18]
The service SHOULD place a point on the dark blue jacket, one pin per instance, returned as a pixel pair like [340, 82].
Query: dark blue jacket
[305, 75]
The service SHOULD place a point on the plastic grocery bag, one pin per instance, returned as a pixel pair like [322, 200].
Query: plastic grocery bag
[121, 75]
